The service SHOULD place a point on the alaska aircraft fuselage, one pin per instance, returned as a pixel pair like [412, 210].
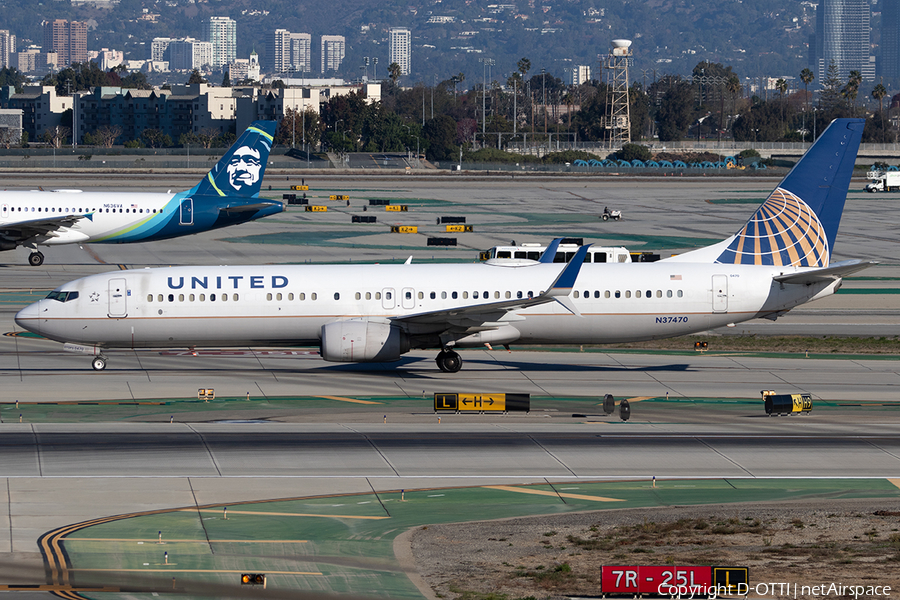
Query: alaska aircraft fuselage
[227, 195]
[109, 217]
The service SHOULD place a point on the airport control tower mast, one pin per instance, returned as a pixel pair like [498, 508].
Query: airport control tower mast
[618, 119]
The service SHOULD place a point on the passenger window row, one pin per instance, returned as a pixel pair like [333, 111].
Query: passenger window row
[78, 211]
[192, 298]
[628, 293]
[486, 295]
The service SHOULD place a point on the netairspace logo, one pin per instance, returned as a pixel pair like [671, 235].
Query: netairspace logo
[778, 589]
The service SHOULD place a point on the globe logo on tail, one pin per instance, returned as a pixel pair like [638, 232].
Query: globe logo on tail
[784, 231]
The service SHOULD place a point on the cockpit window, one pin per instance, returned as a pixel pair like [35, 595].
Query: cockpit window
[62, 296]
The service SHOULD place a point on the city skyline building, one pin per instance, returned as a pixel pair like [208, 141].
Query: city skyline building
[158, 48]
[289, 52]
[399, 48]
[842, 36]
[68, 39]
[7, 47]
[221, 32]
[890, 39]
[301, 52]
[189, 54]
[333, 48]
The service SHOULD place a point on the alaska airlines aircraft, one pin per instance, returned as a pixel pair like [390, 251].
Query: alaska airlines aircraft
[226, 196]
[371, 313]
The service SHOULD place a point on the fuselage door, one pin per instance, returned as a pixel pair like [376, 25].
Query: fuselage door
[408, 298]
[187, 212]
[4, 211]
[720, 293]
[118, 294]
[387, 298]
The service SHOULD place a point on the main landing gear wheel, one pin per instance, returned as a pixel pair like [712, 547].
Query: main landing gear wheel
[98, 363]
[448, 362]
[36, 259]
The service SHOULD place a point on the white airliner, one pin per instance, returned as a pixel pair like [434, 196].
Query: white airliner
[372, 313]
[228, 195]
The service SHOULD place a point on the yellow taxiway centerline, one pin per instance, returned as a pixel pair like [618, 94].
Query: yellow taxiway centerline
[190, 571]
[342, 399]
[167, 541]
[509, 488]
[277, 514]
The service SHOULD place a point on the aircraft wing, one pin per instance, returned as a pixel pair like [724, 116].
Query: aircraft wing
[26, 230]
[829, 273]
[487, 314]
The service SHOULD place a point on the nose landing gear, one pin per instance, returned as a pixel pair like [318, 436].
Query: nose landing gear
[448, 361]
[98, 363]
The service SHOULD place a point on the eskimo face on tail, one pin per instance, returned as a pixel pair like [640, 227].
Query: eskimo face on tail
[784, 231]
[243, 168]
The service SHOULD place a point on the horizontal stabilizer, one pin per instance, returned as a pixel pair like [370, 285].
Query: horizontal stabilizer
[835, 271]
[242, 208]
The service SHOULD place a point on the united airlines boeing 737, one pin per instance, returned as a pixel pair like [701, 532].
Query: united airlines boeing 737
[370, 313]
[226, 196]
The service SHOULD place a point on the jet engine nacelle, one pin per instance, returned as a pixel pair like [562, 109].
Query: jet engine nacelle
[359, 340]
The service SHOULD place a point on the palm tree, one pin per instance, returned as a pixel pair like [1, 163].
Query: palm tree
[394, 71]
[782, 86]
[879, 92]
[806, 76]
[734, 88]
[852, 88]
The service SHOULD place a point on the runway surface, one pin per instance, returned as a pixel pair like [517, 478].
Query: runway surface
[62, 473]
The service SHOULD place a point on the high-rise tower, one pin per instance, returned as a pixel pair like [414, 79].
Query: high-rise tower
[842, 37]
[333, 47]
[400, 48]
[222, 32]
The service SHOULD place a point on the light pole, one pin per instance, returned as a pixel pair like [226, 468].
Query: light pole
[486, 62]
[366, 59]
[544, 96]
[375, 68]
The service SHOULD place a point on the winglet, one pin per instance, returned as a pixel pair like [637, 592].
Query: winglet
[550, 253]
[564, 282]
[562, 286]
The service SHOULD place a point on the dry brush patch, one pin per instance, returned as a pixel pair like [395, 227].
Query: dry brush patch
[517, 558]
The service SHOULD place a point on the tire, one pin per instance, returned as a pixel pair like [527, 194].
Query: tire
[452, 363]
[440, 361]
[605, 217]
[617, 218]
[98, 363]
[35, 259]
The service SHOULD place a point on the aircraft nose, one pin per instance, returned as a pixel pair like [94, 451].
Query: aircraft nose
[29, 317]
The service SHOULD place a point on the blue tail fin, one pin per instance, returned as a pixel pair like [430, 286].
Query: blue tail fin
[798, 223]
[240, 171]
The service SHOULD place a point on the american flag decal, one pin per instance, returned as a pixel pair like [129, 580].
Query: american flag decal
[784, 231]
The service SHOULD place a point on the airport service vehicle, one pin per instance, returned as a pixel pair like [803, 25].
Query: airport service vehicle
[883, 181]
[615, 215]
[779, 260]
[228, 195]
[564, 253]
